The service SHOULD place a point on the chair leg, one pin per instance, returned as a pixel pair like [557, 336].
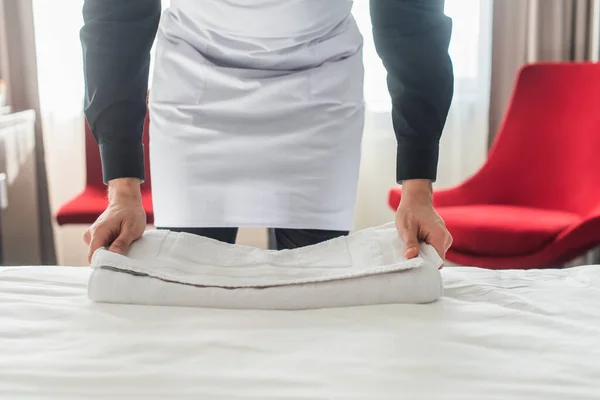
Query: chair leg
[593, 256]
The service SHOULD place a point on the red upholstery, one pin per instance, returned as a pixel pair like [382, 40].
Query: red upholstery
[87, 206]
[536, 201]
[504, 230]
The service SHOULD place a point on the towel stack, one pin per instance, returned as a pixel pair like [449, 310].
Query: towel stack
[179, 269]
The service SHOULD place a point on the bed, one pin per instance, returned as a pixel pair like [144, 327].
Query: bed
[495, 335]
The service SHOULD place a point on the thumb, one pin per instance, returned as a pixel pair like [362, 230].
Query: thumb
[410, 236]
[122, 243]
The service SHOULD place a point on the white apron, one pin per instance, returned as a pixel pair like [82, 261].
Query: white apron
[256, 114]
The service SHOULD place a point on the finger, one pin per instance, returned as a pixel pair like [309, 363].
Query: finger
[100, 238]
[447, 245]
[438, 242]
[449, 240]
[87, 236]
[122, 242]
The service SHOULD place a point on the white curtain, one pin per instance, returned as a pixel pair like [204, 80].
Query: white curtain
[463, 146]
[464, 142]
[61, 88]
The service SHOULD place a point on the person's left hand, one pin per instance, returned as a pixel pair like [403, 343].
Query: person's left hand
[417, 220]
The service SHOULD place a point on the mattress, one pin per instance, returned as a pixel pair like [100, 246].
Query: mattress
[494, 335]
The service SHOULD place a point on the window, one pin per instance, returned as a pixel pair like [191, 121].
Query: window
[469, 41]
[59, 62]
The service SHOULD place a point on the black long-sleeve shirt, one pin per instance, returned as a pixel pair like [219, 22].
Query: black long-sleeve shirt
[411, 37]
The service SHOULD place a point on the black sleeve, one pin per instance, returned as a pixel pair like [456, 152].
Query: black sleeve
[412, 39]
[116, 39]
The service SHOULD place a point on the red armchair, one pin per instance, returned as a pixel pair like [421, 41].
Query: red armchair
[87, 206]
[536, 201]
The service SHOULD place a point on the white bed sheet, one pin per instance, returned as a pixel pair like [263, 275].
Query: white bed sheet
[495, 335]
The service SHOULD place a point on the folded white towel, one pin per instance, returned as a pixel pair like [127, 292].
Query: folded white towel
[178, 269]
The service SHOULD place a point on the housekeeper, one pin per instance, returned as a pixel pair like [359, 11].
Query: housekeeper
[257, 114]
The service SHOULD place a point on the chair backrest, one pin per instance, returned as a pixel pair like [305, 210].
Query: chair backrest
[547, 151]
[94, 164]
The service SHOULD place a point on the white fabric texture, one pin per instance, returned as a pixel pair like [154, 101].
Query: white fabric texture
[180, 269]
[495, 335]
[257, 108]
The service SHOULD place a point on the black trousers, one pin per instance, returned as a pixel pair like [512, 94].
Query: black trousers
[279, 239]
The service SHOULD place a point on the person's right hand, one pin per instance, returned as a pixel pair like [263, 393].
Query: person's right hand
[123, 222]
